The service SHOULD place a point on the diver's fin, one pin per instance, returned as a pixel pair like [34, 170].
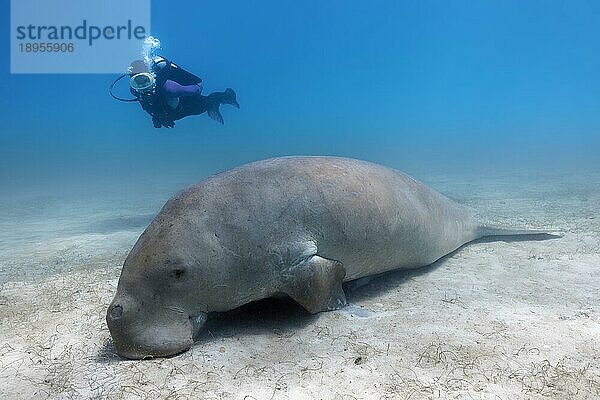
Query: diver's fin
[216, 99]
[215, 114]
[229, 97]
[316, 284]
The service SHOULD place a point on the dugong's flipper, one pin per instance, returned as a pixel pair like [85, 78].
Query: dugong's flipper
[316, 284]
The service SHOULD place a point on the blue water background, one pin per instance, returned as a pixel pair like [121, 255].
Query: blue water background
[426, 87]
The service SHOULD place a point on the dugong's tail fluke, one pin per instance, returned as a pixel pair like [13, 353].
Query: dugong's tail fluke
[488, 231]
[216, 99]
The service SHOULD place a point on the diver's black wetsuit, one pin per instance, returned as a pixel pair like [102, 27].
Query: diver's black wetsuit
[177, 94]
[198, 104]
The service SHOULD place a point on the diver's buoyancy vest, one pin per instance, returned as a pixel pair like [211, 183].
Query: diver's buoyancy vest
[155, 103]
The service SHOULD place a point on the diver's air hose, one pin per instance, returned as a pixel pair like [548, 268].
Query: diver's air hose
[110, 90]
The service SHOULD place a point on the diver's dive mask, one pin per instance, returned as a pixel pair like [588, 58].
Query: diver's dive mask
[143, 82]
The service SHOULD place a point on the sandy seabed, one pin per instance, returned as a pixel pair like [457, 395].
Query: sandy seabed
[495, 320]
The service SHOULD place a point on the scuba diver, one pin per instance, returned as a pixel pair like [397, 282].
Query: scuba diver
[168, 92]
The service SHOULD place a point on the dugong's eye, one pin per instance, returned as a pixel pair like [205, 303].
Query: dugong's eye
[178, 273]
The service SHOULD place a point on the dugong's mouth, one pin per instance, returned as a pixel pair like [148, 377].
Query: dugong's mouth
[141, 353]
[140, 338]
[153, 343]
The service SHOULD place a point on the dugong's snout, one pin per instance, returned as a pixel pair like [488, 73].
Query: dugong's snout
[139, 333]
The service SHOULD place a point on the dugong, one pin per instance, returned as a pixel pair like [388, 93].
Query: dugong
[297, 226]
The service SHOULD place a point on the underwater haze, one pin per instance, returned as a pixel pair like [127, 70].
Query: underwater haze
[445, 86]
[440, 90]
[492, 103]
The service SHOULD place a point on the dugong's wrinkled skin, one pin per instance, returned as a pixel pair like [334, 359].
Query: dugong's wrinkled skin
[295, 225]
